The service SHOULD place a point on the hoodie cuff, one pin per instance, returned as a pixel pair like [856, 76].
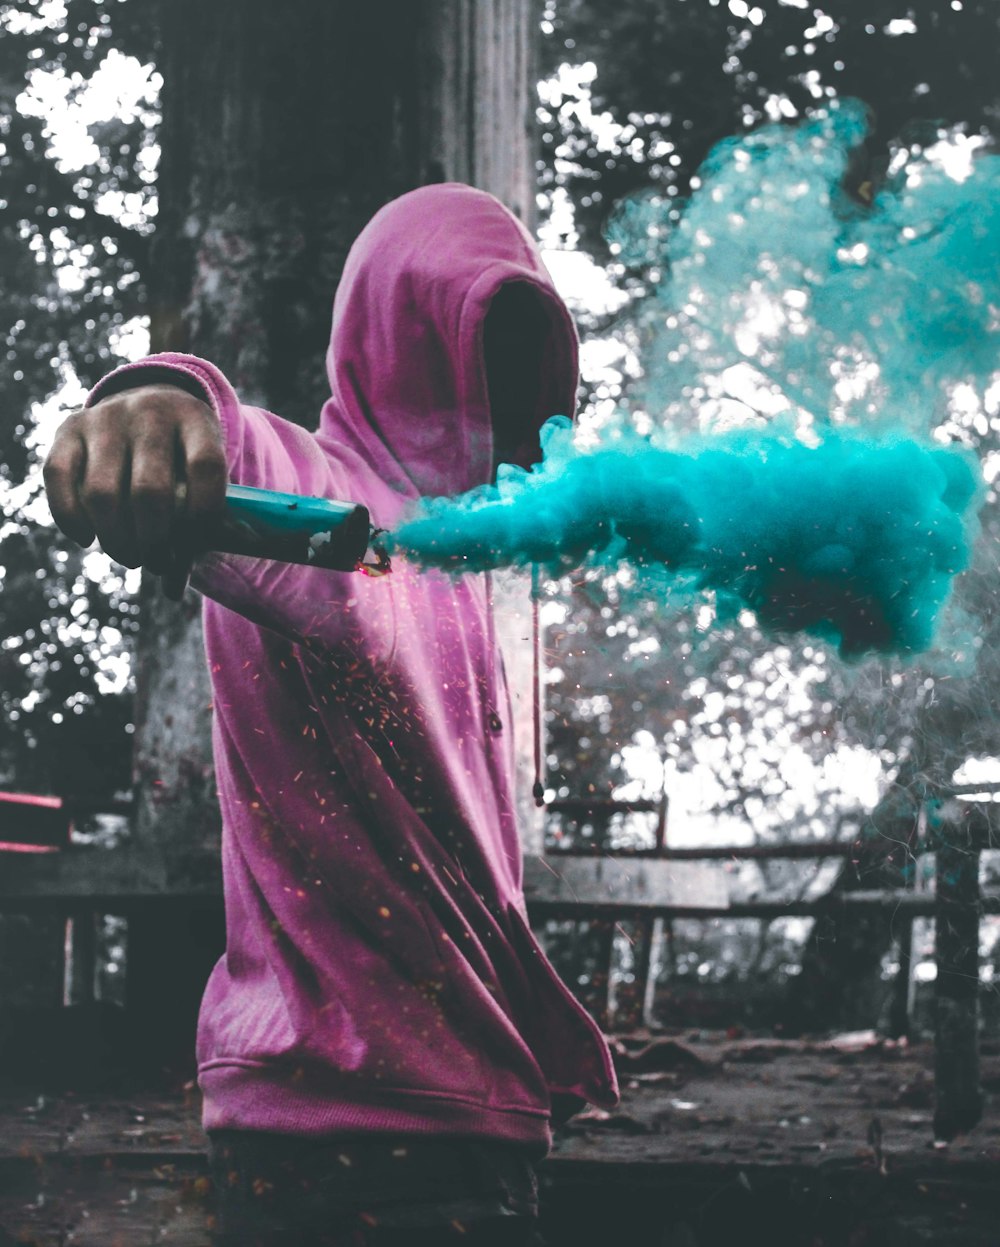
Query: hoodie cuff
[197, 376]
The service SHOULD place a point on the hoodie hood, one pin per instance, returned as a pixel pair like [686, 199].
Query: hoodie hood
[406, 364]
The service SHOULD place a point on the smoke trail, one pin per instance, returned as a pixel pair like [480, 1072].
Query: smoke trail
[855, 314]
[852, 540]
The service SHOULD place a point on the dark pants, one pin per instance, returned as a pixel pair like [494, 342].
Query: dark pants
[275, 1190]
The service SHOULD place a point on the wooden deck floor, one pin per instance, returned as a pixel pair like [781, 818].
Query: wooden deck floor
[717, 1141]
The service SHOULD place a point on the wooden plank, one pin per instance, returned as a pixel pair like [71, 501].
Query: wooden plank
[898, 902]
[958, 1094]
[80, 968]
[158, 1126]
[612, 884]
[101, 876]
[110, 1202]
[789, 1123]
[630, 1000]
[792, 851]
[602, 885]
[602, 805]
[124, 879]
[594, 994]
[117, 876]
[899, 1009]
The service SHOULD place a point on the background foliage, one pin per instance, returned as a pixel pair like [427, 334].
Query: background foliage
[74, 239]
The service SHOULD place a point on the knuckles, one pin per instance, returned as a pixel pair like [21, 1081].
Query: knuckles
[207, 470]
[207, 463]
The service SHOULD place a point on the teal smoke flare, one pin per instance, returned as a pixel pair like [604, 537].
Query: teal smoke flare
[852, 539]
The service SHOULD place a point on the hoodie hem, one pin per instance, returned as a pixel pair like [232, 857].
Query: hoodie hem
[245, 1095]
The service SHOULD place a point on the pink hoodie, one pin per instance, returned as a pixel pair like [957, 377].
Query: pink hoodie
[380, 974]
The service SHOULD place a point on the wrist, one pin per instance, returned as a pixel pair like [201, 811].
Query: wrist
[148, 377]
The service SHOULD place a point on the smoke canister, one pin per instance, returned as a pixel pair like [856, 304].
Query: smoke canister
[290, 528]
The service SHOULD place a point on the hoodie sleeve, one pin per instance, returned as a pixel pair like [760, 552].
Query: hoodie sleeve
[268, 452]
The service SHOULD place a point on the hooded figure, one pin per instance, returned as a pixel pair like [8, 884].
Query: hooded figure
[380, 974]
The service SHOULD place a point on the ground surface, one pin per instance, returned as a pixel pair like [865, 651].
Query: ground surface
[717, 1141]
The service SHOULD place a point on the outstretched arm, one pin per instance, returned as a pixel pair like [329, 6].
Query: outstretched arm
[144, 466]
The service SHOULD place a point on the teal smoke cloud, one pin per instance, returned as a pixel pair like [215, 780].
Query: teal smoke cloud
[861, 311]
[852, 540]
[860, 317]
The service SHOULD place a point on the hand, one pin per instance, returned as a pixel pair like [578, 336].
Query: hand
[142, 471]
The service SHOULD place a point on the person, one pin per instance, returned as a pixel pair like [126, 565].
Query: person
[383, 1047]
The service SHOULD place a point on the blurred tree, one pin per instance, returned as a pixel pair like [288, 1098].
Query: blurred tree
[71, 257]
[281, 133]
[71, 260]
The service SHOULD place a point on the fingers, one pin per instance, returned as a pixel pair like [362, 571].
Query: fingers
[199, 497]
[178, 564]
[205, 472]
[63, 472]
[178, 485]
[143, 471]
[152, 496]
[104, 493]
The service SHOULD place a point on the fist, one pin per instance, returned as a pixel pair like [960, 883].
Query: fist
[142, 471]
